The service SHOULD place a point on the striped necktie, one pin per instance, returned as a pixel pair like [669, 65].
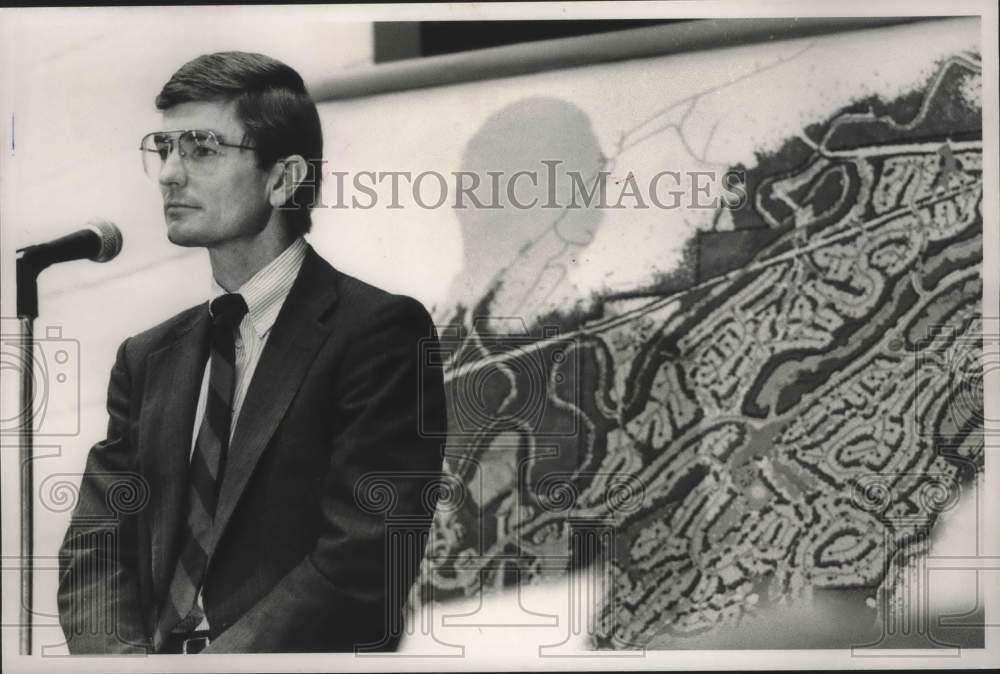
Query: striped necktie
[180, 612]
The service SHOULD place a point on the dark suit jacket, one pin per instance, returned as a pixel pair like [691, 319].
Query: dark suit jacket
[331, 450]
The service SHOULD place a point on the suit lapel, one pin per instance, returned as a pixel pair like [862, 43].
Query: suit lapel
[295, 338]
[170, 398]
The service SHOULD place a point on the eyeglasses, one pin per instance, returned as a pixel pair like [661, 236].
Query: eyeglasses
[200, 151]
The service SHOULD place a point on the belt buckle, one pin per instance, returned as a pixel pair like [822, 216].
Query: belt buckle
[193, 645]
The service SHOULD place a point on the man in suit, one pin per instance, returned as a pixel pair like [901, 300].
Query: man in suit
[249, 431]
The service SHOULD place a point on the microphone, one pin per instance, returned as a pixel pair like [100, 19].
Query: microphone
[99, 241]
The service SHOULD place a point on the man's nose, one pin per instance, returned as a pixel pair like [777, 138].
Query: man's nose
[172, 171]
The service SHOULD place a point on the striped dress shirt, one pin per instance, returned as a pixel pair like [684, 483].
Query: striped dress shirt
[265, 294]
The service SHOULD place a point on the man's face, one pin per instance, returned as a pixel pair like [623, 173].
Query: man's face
[229, 203]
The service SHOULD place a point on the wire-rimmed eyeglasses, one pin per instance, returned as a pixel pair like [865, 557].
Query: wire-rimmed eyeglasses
[200, 150]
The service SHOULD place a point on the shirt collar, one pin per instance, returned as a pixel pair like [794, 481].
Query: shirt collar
[265, 291]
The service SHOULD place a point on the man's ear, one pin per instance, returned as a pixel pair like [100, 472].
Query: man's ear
[286, 176]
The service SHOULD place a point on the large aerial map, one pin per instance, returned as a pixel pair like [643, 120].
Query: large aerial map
[778, 416]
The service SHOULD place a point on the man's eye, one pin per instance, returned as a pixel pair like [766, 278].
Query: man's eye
[163, 151]
[203, 152]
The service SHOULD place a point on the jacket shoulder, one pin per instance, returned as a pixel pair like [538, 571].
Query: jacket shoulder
[366, 300]
[152, 338]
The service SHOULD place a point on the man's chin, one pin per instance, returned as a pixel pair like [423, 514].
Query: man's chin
[180, 234]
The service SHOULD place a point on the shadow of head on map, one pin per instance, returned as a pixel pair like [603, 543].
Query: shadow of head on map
[534, 147]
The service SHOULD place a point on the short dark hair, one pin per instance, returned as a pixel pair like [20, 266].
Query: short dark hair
[278, 113]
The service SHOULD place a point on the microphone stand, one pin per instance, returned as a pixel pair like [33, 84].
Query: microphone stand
[27, 312]
[31, 261]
